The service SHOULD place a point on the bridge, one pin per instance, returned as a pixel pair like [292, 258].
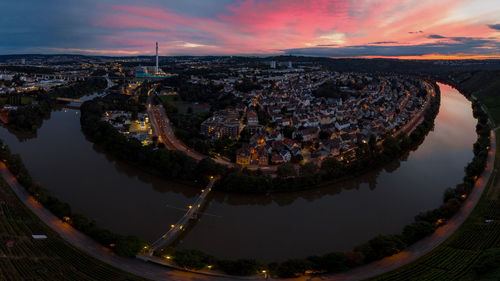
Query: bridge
[176, 229]
[70, 100]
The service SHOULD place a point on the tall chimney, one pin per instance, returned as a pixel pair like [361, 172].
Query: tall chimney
[156, 57]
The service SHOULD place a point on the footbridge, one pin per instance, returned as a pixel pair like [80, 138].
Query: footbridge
[176, 229]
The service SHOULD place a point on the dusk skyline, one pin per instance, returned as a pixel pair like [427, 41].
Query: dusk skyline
[219, 140]
[405, 29]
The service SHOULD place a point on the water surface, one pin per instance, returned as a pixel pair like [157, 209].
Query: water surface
[266, 227]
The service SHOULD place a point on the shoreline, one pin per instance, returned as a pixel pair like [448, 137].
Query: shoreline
[156, 272]
[168, 137]
[111, 258]
[296, 182]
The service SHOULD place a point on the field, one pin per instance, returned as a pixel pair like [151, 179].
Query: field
[456, 258]
[492, 103]
[24, 100]
[186, 107]
[24, 258]
[485, 86]
[169, 98]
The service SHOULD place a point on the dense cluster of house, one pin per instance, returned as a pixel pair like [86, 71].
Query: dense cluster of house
[35, 81]
[320, 126]
[224, 123]
[137, 127]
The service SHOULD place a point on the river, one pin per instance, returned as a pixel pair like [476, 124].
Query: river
[269, 227]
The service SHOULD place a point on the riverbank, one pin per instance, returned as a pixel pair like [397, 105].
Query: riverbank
[263, 220]
[412, 253]
[179, 165]
[89, 246]
[163, 128]
[29, 116]
[428, 244]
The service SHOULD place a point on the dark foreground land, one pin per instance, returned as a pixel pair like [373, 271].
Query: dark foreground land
[24, 258]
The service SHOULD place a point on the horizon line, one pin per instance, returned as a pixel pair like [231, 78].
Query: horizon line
[429, 57]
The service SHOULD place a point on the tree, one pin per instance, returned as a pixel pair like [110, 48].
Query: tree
[372, 143]
[416, 231]
[291, 268]
[288, 131]
[324, 135]
[380, 247]
[308, 169]
[286, 170]
[332, 262]
[391, 146]
[155, 140]
[449, 193]
[245, 135]
[247, 85]
[329, 90]
[331, 167]
[240, 267]
[404, 141]
[451, 207]
[193, 259]
[387, 245]
[128, 246]
[208, 167]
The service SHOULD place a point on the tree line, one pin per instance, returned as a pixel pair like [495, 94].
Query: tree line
[29, 118]
[380, 246]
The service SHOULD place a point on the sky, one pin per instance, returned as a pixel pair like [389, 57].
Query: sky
[332, 28]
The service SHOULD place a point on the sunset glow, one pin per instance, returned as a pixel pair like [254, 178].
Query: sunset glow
[448, 29]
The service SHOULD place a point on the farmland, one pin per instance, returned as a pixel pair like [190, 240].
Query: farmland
[24, 258]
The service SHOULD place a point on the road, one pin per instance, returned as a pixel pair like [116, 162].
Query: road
[419, 117]
[163, 129]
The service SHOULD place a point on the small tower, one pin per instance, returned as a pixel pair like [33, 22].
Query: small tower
[156, 69]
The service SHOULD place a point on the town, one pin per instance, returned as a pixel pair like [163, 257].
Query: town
[299, 115]
[280, 111]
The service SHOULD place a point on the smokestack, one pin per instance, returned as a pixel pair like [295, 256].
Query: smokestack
[156, 57]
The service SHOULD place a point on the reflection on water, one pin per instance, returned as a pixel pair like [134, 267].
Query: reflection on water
[267, 227]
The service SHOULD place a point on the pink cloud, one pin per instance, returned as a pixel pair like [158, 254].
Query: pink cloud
[258, 26]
